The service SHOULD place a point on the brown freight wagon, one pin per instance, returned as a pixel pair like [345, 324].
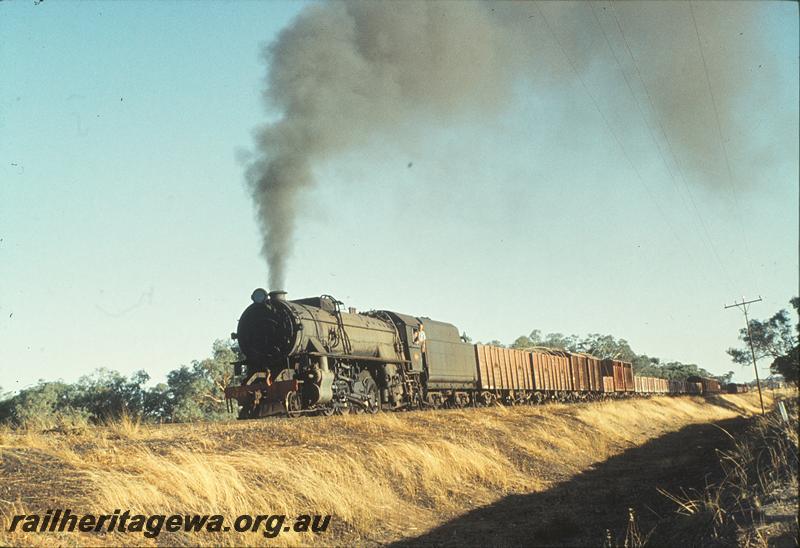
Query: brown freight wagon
[734, 388]
[627, 371]
[551, 370]
[708, 386]
[694, 387]
[595, 374]
[711, 386]
[587, 373]
[646, 385]
[503, 368]
[622, 373]
[677, 387]
[579, 367]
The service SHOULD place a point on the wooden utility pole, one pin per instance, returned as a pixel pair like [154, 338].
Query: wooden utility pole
[743, 306]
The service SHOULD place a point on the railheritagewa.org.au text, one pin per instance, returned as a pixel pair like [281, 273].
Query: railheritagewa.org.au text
[269, 525]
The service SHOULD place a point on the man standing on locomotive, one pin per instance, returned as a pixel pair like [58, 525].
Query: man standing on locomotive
[419, 337]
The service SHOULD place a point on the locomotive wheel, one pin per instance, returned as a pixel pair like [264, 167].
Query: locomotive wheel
[366, 388]
[326, 411]
[434, 401]
[373, 395]
[293, 406]
[356, 409]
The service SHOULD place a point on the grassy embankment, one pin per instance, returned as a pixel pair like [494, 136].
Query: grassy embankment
[382, 477]
[756, 502]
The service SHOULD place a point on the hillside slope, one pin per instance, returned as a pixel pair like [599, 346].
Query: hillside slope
[382, 478]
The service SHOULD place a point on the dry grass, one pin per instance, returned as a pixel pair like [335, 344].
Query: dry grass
[756, 503]
[382, 477]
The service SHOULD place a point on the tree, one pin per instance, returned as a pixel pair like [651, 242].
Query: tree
[195, 392]
[726, 378]
[787, 366]
[610, 347]
[773, 338]
[108, 395]
[607, 347]
[198, 392]
[44, 405]
[522, 342]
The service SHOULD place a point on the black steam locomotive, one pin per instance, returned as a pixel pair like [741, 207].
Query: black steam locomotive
[308, 356]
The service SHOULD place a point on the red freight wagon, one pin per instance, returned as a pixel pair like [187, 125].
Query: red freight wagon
[623, 376]
[551, 370]
[627, 371]
[579, 368]
[694, 387]
[595, 374]
[503, 368]
[586, 372]
[708, 386]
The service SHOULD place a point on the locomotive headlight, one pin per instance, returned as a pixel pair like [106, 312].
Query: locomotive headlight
[259, 296]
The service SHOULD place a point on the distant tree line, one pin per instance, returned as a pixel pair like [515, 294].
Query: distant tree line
[191, 393]
[607, 346]
[775, 339]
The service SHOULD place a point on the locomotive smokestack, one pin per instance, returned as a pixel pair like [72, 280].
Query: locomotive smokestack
[277, 295]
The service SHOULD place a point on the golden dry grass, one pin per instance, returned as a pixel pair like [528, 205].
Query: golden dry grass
[382, 477]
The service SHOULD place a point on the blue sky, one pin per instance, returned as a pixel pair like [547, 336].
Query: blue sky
[129, 240]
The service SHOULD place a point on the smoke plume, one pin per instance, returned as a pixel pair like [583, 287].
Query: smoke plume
[345, 71]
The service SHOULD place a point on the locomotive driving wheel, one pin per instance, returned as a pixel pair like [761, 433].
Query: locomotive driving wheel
[293, 405]
[326, 411]
[366, 389]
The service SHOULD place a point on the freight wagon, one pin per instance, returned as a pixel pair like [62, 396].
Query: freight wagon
[651, 385]
[734, 388]
[707, 386]
[622, 372]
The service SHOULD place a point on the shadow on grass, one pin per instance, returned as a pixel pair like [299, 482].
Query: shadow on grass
[720, 401]
[579, 511]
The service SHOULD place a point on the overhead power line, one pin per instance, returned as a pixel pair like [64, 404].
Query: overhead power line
[670, 149]
[732, 185]
[615, 135]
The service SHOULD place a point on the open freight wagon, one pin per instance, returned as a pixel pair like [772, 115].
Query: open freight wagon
[516, 374]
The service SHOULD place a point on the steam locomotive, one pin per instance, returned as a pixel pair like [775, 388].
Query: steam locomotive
[310, 356]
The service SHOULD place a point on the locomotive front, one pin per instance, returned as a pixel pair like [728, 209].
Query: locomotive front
[267, 332]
